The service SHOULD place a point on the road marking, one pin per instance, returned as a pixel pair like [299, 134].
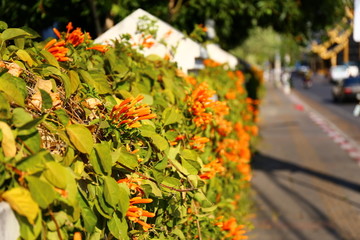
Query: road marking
[343, 140]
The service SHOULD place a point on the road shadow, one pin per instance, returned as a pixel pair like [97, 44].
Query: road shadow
[269, 164]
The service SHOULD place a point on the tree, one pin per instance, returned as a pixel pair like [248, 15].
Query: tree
[234, 18]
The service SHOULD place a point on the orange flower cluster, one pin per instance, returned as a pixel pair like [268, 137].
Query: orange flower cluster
[133, 184]
[57, 49]
[167, 34]
[237, 151]
[134, 212]
[189, 79]
[252, 130]
[202, 27]
[211, 169]
[235, 231]
[198, 143]
[252, 112]
[200, 101]
[146, 43]
[77, 37]
[211, 63]
[220, 109]
[100, 48]
[128, 114]
[177, 139]
[230, 95]
[73, 37]
[223, 127]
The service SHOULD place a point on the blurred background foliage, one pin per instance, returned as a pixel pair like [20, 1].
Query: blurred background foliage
[264, 43]
[259, 27]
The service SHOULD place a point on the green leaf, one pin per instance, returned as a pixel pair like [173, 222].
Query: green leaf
[46, 99]
[24, 56]
[124, 200]
[111, 191]
[62, 116]
[209, 209]
[42, 192]
[56, 174]
[12, 33]
[203, 200]
[21, 117]
[71, 188]
[124, 157]
[20, 43]
[3, 25]
[118, 227]
[95, 163]
[103, 207]
[104, 155]
[28, 230]
[74, 81]
[96, 80]
[34, 162]
[171, 182]
[4, 107]
[61, 218]
[179, 234]
[30, 138]
[147, 130]
[171, 115]
[81, 137]
[69, 157]
[151, 188]
[87, 215]
[50, 58]
[8, 143]
[192, 167]
[67, 85]
[14, 88]
[47, 70]
[21, 201]
[159, 142]
[189, 154]
[173, 152]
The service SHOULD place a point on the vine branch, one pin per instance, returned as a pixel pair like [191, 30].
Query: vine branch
[154, 181]
[56, 224]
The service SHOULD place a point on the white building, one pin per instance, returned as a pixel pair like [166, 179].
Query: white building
[187, 52]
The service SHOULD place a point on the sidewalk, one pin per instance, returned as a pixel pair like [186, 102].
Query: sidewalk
[305, 185]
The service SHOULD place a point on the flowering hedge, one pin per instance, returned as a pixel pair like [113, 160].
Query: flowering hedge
[100, 142]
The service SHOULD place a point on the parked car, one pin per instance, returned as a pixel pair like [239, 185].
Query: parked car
[347, 89]
[340, 72]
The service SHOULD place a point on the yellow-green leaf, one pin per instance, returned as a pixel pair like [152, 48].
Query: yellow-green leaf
[25, 56]
[159, 142]
[74, 81]
[42, 192]
[12, 33]
[56, 174]
[81, 137]
[14, 88]
[8, 141]
[111, 191]
[50, 58]
[118, 227]
[21, 201]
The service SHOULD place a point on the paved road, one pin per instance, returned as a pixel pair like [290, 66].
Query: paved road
[305, 186]
[321, 93]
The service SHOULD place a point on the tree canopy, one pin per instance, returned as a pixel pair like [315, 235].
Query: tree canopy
[233, 18]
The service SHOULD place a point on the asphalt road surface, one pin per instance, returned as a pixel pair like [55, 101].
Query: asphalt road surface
[321, 93]
[306, 183]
